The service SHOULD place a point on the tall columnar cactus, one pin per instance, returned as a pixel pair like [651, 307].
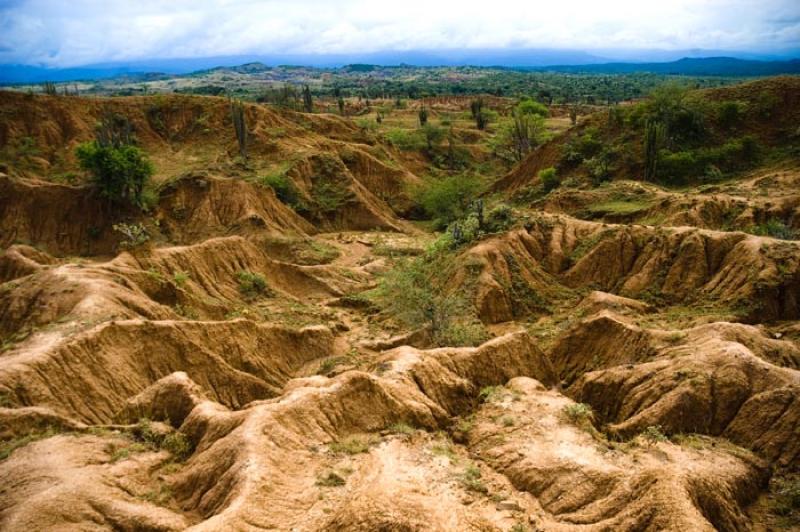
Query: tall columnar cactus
[308, 103]
[240, 126]
[654, 134]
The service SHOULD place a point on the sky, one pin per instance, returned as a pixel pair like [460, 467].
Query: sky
[65, 33]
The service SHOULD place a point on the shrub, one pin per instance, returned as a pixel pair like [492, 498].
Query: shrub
[550, 180]
[178, 446]
[283, 186]
[653, 434]
[180, 278]
[251, 284]
[579, 413]
[413, 292]
[729, 114]
[134, 235]
[330, 480]
[447, 199]
[120, 173]
[774, 228]
[499, 218]
[352, 445]
[532, 107]
[406, 140]
[472, 481]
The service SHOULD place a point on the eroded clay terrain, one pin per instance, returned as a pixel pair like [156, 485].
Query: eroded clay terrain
[641, 370]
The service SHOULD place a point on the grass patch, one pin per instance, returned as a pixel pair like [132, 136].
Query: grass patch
[472, 481]
[9, 446]
[402, 428]
[330, 479]
[618, 208]
[353, 445]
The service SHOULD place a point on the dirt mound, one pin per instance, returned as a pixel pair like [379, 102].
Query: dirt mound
[234, 362]
[757, 276]
[72, 481]
[581, 481]
[201, 281]
[719, 379]
[198, 206]
[79, 222]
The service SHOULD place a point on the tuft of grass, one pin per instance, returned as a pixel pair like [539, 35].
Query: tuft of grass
[507, 421]
[579, 413]
[352, 445]
[330, 480]
[618, 208]
[490, 394]
[653, 435]
[180, 278]
[786, 499]
[9, 446]
[402, 428]
[445, 449]
[472, 481]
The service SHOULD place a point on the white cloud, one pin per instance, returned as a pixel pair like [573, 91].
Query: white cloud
[62, 33]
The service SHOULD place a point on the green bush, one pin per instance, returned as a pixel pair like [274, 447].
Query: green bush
[252, 284]
[134, 235]
[414, 293]
[120, 173]
[532, 107]
[406, 140]
[448, 199]
[284, 188]
[499, 218]
[550, 180]
[774, 228]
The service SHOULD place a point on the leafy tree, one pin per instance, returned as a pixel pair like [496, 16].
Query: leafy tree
[433, 135]
[532, 107]
[119, 172]
[340, 102]
[515, 139]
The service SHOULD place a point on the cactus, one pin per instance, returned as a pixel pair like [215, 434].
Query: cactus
[308, 103]
[478, 204]
[114, 131]
[239, 125]
[49, 88]
[654, 133]
[423, 116]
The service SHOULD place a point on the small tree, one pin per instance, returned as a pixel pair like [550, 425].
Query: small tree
[308, 103]
[119, 172]
[549, 179]
[340, 102]
[240, 126]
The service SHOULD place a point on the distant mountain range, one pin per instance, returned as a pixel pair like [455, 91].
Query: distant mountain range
[531, 59]
[706, 66]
